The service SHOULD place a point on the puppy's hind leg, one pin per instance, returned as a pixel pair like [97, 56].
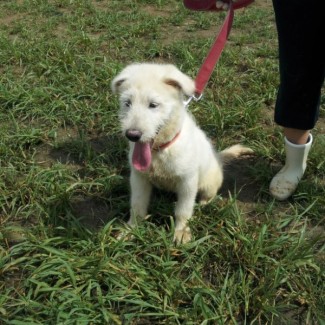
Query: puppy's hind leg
[210, 184]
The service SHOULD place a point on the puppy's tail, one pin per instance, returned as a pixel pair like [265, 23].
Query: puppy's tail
[234, 152]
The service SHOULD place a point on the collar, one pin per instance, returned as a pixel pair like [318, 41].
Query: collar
[167, 144]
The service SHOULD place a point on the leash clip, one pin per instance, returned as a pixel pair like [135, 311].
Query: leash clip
[195, 97]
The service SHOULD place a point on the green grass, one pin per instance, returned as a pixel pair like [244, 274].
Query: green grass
[64, 175]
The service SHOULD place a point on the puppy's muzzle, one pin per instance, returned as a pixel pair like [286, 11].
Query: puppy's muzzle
[133, 135]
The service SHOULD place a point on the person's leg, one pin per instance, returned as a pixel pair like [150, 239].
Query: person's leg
[300, 29]
[296, 136]
[302, 69]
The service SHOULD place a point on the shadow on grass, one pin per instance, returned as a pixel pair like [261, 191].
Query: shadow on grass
[89, 156]
[100, 163]
[238, 180]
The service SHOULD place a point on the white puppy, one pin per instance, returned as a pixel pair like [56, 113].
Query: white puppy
[167, 148]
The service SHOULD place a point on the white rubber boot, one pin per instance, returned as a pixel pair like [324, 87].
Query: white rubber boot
[285, 182]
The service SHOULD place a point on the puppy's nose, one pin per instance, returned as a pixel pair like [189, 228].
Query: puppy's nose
[133, 135]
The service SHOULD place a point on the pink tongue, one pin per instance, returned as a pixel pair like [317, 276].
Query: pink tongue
[141, 158]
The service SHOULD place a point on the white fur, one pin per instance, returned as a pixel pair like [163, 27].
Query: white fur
[189, 166]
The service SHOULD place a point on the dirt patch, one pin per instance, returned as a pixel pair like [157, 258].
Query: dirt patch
[153, 10]
[10, 19]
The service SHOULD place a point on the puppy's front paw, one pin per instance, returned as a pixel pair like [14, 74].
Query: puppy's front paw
[183, 235]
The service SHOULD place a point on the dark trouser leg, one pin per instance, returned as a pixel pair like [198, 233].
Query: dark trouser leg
[301, 33]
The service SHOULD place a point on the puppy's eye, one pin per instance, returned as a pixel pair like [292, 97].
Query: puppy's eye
[127, 103]
[153, 105]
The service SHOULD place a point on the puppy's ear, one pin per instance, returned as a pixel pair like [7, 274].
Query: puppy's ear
[122, 77]
[116, 84]
[180, 81]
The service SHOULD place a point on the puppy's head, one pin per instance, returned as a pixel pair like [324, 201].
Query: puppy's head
[151, 96]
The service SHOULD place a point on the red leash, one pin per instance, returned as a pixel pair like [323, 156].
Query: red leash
[213, 56]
